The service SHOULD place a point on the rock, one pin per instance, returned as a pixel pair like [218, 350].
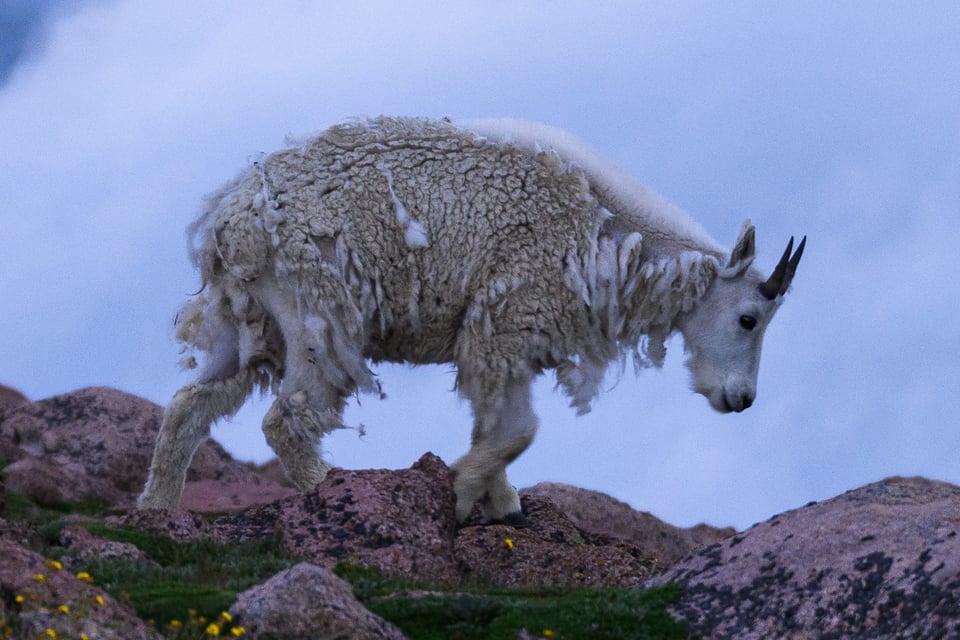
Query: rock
[10, 398]
[180, 526]
[307, 601]
[85, 546]
[21, 533]
[400, 521]
[110, 434]
[52, 484]
[600, 514]
[552, 551]
[43, 598]
[272, 470]
[882, 561]
[403, 523]
[102, 439]
[219, 496]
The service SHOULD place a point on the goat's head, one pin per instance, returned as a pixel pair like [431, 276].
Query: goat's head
[723, 333]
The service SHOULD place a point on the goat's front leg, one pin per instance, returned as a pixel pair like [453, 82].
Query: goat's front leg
[503, 429]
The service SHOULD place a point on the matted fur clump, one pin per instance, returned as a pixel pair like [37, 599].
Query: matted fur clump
[505, 248]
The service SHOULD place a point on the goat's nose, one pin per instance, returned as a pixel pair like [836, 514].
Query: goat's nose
[746, 399]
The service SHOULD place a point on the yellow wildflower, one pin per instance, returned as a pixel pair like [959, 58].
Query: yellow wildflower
[213, 629]
[548, 633]
[19, 599]
[176, 624]
[63, 609]
[100, 600]
[509, 543]
[54, 564]
[237, 631]
[83, 636]
[51, 633]
[40, 578]
[83, 576]
[225, 615]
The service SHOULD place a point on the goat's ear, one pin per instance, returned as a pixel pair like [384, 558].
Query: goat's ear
[743, 252]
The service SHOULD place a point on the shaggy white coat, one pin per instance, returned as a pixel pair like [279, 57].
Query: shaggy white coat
[505, 248]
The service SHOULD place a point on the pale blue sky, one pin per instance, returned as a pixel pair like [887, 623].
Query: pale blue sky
[840, 121]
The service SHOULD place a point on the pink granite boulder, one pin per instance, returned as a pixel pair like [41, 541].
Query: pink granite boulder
[400, 521]
[551, 551]
[96, 444]
[601, 514]
[882, 561]
[307, 601]
[10, 398]
[45, 589]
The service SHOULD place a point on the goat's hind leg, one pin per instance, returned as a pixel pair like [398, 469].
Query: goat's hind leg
[186, 423]
[220, 391]
[294, 426]
[321, 366]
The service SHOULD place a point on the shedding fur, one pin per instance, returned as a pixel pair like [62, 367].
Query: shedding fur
[504, 248]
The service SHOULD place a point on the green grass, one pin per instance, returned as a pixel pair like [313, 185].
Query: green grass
[181, 581]
[193, 582]
[480, 614]
[25, 510]
[200, 578]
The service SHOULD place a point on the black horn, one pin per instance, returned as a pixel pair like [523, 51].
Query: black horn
[779, 281]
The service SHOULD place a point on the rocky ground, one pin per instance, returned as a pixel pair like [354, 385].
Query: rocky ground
[882, 561]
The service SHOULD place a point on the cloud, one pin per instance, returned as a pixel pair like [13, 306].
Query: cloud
[20, 22]
[23, 29]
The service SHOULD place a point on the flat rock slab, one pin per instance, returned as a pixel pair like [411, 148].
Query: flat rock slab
[882, 561]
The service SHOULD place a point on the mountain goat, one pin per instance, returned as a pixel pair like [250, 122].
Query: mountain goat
[503, 247]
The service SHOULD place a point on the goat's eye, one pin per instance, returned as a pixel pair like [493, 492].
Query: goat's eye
[748, 322]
